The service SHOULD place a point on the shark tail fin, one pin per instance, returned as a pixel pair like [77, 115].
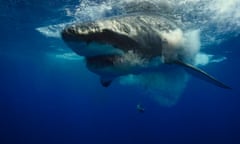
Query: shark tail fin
[201, 74]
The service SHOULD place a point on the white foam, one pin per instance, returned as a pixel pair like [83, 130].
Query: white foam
[133, 59]
[68, 56]
[192, 41]
[204, 59]
[217, 60]
[174, 38]
[52, 30]
[181, 44]
[90, 10]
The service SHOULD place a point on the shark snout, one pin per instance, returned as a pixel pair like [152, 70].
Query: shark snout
[78, 32]
[89, 40]
[98, 34]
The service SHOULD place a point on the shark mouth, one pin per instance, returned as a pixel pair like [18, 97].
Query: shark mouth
[88, 40]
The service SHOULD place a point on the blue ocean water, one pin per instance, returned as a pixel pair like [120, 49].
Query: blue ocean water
[46, 100]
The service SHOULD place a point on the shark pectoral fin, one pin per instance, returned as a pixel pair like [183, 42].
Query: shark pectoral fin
[201, 74]
[105, 83]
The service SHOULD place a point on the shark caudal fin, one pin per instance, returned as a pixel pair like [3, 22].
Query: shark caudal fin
[201, 74]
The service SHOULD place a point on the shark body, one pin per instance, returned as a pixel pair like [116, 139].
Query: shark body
[132, 44]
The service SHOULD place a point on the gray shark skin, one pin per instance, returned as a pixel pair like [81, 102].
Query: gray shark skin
[131, 44]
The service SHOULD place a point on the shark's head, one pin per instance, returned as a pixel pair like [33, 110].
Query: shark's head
[110, 43]
[96, 38]
[104, 44]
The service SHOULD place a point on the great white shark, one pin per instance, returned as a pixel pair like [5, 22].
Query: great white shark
[133, 44]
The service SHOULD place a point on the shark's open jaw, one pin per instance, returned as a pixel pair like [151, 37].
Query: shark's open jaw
[95, 42]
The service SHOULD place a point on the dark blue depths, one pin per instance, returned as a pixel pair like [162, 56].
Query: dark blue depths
[56, 101]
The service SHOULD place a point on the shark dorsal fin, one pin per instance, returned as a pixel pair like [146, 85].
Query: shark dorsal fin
[201, 74]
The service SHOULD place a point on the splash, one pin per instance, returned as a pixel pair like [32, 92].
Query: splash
[133, 59]
[52, 30]
[217, 20]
